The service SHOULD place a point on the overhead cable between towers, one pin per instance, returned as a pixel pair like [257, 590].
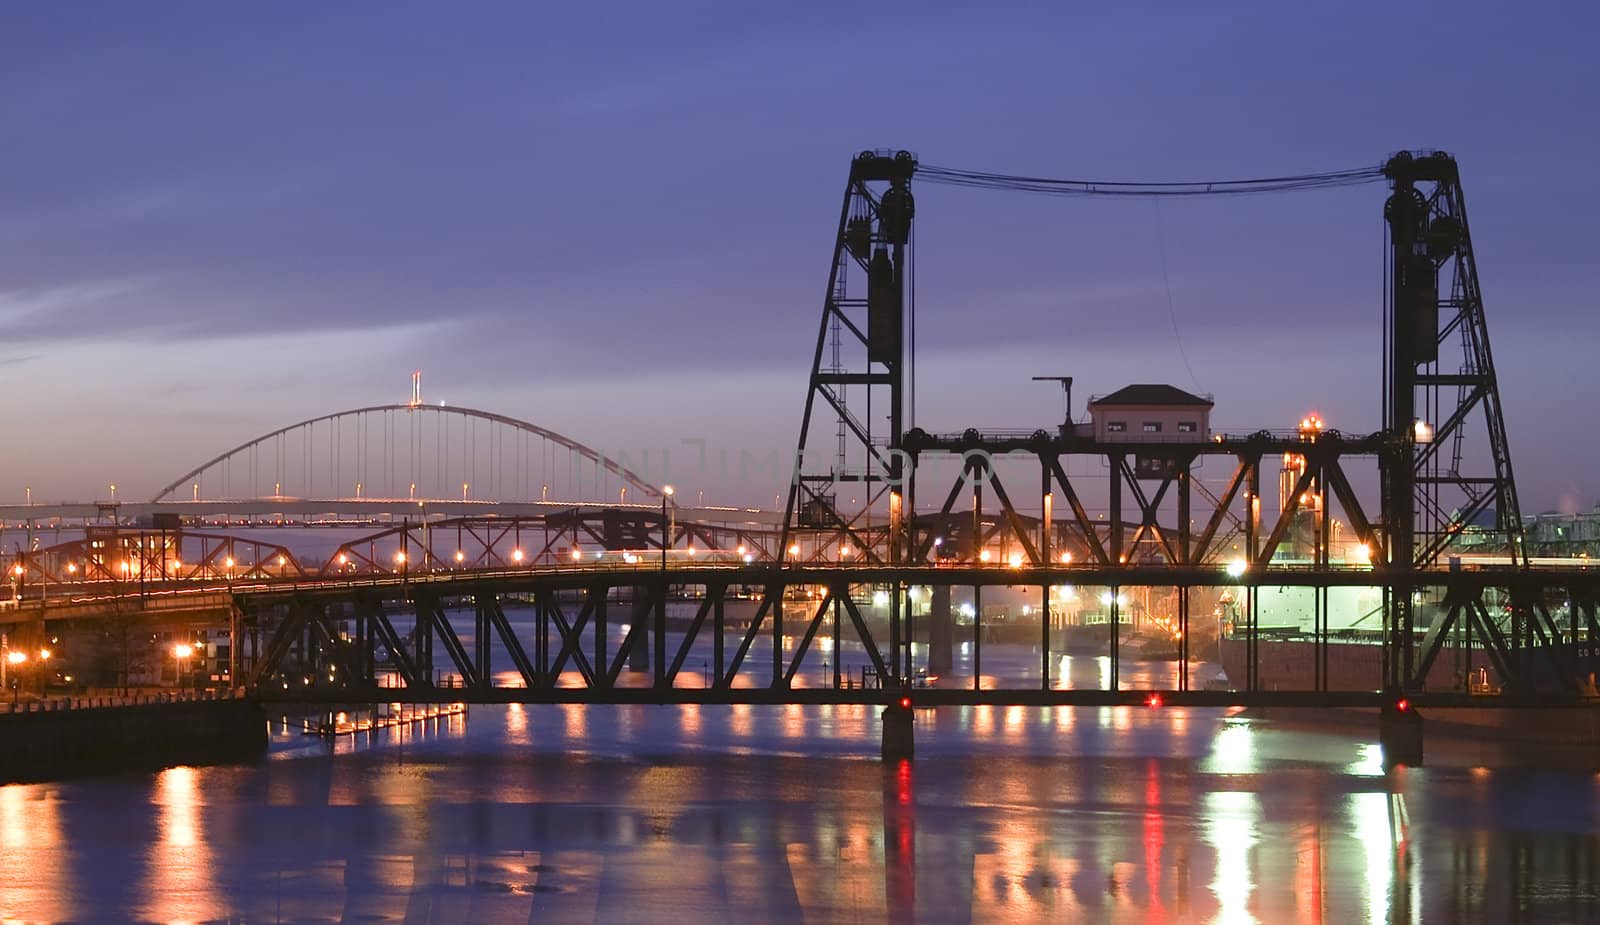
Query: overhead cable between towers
[975, 179]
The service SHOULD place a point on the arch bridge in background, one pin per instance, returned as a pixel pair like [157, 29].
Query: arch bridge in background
[358, 451]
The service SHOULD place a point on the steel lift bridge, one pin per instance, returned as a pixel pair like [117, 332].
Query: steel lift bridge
[882, 511]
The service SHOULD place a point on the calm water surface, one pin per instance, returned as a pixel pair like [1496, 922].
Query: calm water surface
[755, 814]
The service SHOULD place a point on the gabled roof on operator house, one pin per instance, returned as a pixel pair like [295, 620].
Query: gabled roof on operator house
[1151, 394]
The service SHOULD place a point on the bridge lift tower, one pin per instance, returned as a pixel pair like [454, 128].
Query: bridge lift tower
[860, 368]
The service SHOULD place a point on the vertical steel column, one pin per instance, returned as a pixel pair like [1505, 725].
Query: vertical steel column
[838, 653]
[660, 630]
[1045, 515]
[977, 636]
[364, 661]
[422, 608]
[1184, 526]
[1044, 638]
[1183, 637]
[235, 634]
[718, 624]
[480, 642]
[541, 639]
[1116, 508]
[1116, 634]
[1404, 213]
[599, 593]
[775, 594]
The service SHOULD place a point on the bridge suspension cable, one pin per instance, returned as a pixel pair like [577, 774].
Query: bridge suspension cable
[977, 179]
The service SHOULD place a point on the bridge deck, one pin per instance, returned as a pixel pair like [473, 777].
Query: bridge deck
[920, 697]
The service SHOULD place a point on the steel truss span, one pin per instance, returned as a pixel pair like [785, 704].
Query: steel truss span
[395, 640]
[415, 452]
[109, 561]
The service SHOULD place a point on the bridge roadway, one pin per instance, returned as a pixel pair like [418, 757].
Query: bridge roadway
[363, 509]
[919, 697]
[93, 599]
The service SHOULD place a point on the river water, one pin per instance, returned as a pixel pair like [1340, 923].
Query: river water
[785, 814]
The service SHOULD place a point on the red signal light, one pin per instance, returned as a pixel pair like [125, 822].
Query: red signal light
[1402, 705]
[1154, 700]
[905, 703]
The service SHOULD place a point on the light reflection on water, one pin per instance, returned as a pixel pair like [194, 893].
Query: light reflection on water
[784, 814]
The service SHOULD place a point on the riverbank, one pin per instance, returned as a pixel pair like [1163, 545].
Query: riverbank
[60, 742]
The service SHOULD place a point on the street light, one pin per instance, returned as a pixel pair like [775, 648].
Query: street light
[666, 528]
[180, 653]
[14, 658]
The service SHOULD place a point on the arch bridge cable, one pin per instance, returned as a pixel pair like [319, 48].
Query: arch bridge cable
[977, 179]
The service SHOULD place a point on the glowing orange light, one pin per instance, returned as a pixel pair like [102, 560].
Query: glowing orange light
[516, 555]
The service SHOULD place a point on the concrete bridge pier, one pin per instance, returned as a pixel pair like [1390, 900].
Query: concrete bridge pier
[898, 741]
[639, 618]
[941, 631]
[1400, 734]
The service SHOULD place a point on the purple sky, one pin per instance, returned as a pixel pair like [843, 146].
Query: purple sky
[615, 220]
